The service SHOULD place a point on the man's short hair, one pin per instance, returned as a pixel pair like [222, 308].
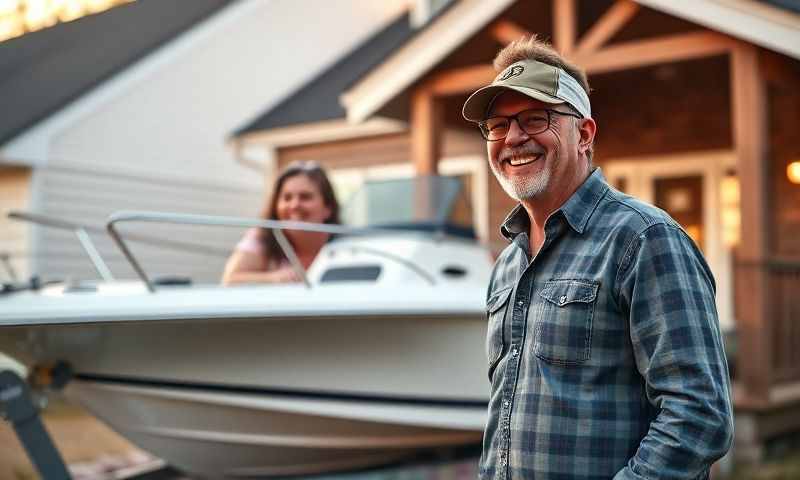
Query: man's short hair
[529, 47]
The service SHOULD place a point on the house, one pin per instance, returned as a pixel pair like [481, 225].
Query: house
[697, 105]
[129, 109]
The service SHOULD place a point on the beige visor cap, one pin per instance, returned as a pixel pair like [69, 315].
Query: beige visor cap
[537, 80]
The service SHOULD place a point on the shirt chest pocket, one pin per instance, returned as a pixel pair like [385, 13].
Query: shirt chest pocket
[563, 332]
[496, 311]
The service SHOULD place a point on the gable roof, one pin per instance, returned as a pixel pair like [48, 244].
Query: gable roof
[318, 99]
[763, 23]
[43, 71]
[792, 5]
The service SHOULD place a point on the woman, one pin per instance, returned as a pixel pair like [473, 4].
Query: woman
[303, 193]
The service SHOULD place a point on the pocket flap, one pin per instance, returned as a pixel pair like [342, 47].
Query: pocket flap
[564, 292]
[498, 299]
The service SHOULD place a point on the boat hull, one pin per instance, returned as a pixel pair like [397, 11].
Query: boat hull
[228, 435]
[275, 396]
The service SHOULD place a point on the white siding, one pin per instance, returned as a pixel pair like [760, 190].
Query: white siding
[14, 195]
[154, 137]
[90, 197]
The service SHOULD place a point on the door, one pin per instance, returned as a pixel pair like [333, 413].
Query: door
[688, 187]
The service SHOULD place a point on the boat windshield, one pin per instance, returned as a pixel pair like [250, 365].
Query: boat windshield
[427, 203]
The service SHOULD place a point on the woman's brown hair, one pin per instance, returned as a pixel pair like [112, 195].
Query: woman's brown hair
[317, 175]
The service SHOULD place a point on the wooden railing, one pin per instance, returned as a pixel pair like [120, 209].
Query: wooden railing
[767, 310]
[783, 294]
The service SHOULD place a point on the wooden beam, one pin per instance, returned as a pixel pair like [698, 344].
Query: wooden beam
[619, 57]
[565, 25]
[426, 130]
[460, 80]
[606, 26]
[749, 126]
[506, 31]
[641, 53]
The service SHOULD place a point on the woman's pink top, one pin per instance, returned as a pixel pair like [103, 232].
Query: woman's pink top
[251, 242]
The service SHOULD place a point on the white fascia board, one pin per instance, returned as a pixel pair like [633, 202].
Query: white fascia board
[32, 146]
[421, 54]
[758, 23]
[259, 150]
[325, 131]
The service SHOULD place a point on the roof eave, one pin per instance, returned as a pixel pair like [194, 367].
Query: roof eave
[322, 131]
[761, 24]
[418, 56]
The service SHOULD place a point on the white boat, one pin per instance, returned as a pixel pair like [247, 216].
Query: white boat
[376, 356]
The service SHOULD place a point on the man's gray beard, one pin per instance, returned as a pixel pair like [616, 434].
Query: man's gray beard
[525, 188]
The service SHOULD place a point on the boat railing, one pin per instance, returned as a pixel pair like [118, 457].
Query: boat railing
[275, 226]
[5, 260]
[82, 233]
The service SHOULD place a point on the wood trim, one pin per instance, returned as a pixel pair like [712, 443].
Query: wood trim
[565, 25]
[606, 26]
[618, 57]
[768, 26]
[749, 125]
[426, 130]
[460, 80]
[670, 48]
[506, 31]
[749, 117]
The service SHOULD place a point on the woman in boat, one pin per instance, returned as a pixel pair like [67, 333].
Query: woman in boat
[303, 193]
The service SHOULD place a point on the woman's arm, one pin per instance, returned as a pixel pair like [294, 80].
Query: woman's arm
[249, 267]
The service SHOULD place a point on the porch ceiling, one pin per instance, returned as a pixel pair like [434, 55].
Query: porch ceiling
[656, 19]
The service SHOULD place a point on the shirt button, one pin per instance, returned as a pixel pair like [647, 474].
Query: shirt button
[562, 300]
[506, 403]
[521, 303]
[515, 352]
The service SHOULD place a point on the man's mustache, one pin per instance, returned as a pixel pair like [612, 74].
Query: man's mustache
[521, 151]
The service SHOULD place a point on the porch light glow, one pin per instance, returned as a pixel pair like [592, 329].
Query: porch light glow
[731, 215]
[793, 172]
[18, 17]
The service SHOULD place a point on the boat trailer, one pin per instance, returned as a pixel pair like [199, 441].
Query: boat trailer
[18, 408]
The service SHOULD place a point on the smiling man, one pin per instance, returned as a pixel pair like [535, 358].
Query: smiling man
[604, 350]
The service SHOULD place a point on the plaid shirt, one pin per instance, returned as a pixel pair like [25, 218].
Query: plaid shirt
[605, 355]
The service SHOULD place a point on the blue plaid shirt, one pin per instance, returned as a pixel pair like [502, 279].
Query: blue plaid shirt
[605, 355]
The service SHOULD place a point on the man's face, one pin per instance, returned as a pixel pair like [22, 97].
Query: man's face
[528, 166]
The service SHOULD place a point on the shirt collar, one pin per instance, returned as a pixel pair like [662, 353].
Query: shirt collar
[576, 210]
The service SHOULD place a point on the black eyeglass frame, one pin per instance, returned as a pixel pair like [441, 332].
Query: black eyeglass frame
[485, 134]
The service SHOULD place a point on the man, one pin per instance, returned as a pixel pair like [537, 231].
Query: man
[605, 355]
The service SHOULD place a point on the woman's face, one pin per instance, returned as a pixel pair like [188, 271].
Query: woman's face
[300, 200]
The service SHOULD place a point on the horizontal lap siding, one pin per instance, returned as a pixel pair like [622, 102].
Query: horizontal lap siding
[378, 150]
[361, 152]
[90, 197]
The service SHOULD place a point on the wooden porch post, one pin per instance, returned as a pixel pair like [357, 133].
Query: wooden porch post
[749, 112]
[426, 130]
[564, 25]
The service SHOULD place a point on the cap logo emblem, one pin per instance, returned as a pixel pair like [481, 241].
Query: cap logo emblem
[511, 72]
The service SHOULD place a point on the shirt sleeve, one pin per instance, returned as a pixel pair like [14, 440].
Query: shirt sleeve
[667, 290]
[251, 242]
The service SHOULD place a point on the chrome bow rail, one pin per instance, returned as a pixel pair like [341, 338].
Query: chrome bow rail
[276, 226]
[80, 231]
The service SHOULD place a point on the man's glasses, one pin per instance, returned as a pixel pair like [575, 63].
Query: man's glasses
[532, 122]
